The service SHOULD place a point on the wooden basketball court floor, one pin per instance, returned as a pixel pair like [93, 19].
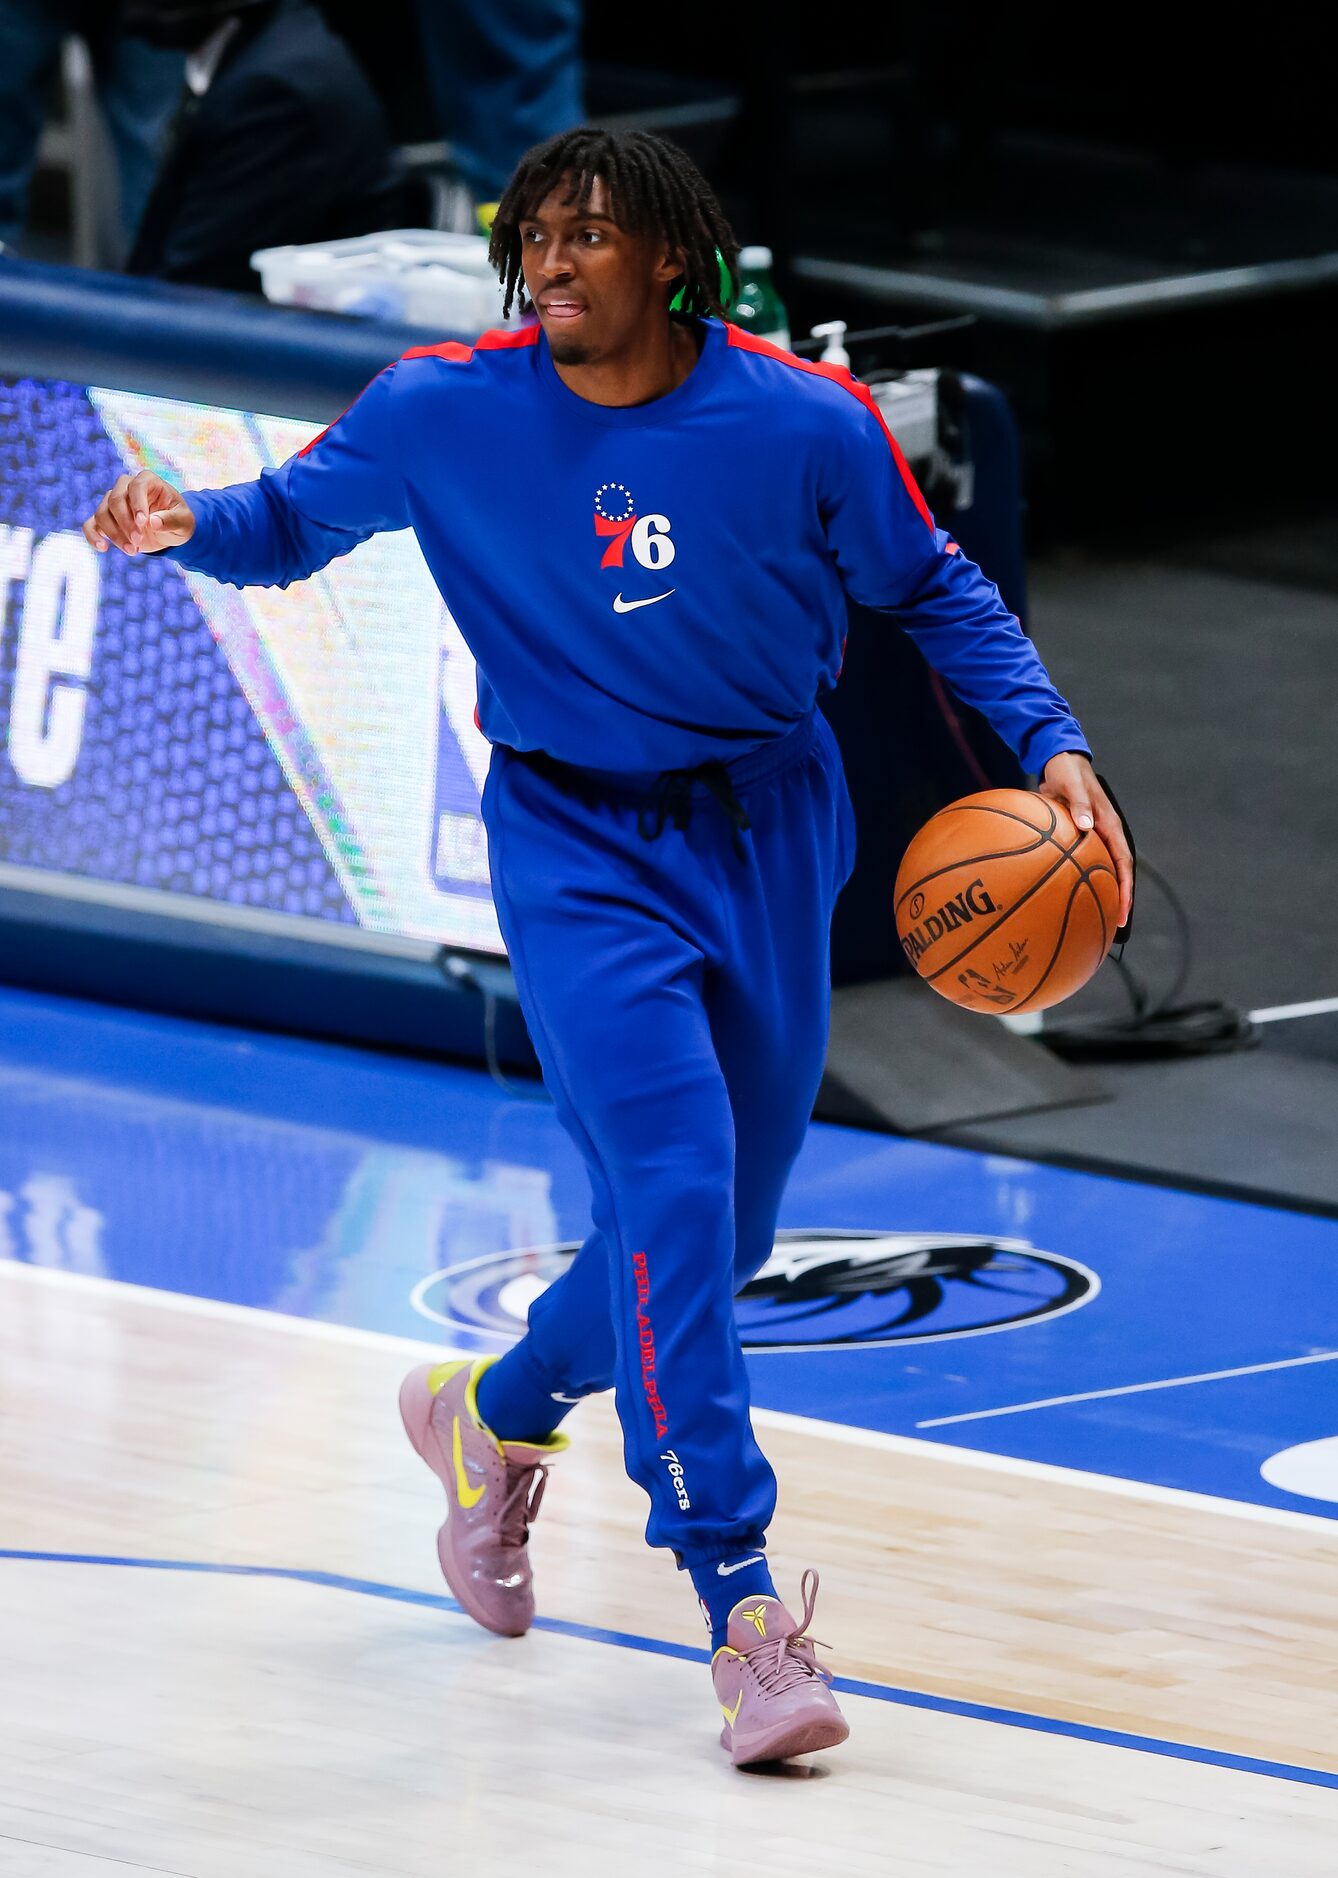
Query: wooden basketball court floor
[1078, 1629]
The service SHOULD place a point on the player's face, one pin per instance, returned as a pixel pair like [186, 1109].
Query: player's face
[593, 284]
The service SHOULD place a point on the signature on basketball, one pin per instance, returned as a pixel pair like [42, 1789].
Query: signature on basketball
[1016, 960]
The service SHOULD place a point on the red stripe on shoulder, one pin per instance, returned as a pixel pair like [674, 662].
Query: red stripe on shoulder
[446, 349]
[506, 338]
[501, 339]
[308, 448]
[839, 375]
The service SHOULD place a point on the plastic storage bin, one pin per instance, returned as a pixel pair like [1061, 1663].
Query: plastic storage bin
[425, 277]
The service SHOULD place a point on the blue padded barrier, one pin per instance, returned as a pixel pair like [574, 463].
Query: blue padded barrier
[188, 342]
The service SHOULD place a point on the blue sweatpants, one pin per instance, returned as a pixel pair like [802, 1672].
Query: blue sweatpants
[675, 979]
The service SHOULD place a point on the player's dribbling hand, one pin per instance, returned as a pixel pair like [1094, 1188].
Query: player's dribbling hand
[140, 514]
[1070, 779]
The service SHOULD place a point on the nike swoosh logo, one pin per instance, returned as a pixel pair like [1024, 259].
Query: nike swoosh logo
[630, 606]
[731, 1715]
[723, 1571]
[469, 1496]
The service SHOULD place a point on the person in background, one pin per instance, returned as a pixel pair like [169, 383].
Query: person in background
[278, 138]
[503, 79]
[137, 89]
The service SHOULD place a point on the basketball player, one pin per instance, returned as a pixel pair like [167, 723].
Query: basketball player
[646, 524]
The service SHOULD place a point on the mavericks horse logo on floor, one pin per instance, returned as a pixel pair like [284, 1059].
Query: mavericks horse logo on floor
[819, 1290]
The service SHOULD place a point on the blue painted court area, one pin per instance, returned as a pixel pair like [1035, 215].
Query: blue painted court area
[915, 1289]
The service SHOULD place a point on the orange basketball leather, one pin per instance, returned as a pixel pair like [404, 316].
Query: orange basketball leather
[1002, 905]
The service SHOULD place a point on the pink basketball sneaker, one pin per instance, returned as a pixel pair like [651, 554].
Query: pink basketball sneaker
[493, 1491]
[771, 1689]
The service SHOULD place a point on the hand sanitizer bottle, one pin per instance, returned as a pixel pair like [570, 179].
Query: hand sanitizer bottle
[834, 352]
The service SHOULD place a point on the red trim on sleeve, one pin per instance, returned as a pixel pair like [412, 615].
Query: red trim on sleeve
[499, 341]
[308, 448]
[502, 339]
[505, 338]
[839, 375]
[445, 349]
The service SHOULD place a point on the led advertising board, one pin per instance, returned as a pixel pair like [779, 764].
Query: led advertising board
[307, 753]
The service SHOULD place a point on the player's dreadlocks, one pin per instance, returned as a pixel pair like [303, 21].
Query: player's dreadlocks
[654, 188]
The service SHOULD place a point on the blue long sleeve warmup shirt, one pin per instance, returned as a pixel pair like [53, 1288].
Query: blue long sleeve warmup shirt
[643, 587]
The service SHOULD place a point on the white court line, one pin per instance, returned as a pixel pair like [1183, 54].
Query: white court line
[1128, 1388]
[939, 1453]
[230, 1313]
[1274, 1013]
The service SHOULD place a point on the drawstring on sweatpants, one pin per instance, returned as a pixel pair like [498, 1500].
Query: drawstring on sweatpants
[671, 802]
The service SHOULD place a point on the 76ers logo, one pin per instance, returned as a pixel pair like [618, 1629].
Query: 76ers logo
[617, 522]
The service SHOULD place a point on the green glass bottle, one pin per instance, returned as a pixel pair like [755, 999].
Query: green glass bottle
[759, 307]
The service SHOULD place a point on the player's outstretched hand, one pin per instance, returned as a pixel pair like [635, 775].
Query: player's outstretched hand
[140, 514]
[1070, 779]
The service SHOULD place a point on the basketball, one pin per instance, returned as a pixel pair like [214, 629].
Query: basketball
[1003, 904]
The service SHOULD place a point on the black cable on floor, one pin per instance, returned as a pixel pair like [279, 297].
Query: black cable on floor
[1155, 1027]
[494, 985]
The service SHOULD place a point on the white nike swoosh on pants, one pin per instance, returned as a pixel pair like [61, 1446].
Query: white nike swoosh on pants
[630, 606]
[723, 1571]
